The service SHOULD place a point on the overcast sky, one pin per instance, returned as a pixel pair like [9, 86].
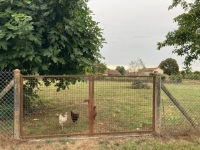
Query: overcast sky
[132, 29]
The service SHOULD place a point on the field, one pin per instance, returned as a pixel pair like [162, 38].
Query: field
[120, 108]
[187, 94]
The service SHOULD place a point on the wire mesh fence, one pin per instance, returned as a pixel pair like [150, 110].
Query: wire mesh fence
[60, 105]
[6, 103]
[123, 104]
[186, 93]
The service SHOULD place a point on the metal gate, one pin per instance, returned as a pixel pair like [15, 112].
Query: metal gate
[124, 104]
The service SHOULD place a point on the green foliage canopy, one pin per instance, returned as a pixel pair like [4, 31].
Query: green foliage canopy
[186, 39]
[99, 67]
[121, 69]
[48, 37]
[169, 66]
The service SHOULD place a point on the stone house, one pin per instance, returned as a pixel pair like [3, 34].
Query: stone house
[156, 70]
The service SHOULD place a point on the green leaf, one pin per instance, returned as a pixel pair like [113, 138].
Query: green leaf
[55, 59]
[44, 6]
[10, 35]
[72, 56]
[34, 38]
[56, 52]
[30, 57]
[15, 63]
[2, 34]
[34, 70]
[3, 65]
[62, 61]
[44, 67]
[24, 54]
[47, 53]
[63, 38]
[37, 59]
[1, 58]
[3, 45]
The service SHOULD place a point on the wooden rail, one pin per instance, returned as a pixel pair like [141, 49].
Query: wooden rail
[6, 89]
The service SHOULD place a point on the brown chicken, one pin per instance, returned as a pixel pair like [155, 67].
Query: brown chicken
[95, 113]
[74, 116]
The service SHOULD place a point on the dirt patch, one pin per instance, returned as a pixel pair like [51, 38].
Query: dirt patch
[6, 141]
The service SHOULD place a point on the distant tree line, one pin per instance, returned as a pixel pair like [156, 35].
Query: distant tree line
[169, 66]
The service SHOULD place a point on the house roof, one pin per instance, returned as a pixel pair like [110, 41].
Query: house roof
[112, 72]
[150, 69]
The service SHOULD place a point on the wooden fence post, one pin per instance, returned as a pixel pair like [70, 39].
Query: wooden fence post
[16, 104]
[157, 104]
[91, 105]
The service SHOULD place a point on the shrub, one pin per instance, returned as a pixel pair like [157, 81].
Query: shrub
[152, 74]
[176, 78]
[193, 76]
[163, 77]
[138, 84]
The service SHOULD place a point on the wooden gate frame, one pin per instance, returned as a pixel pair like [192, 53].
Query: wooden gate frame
[156, 115]
[156, 112]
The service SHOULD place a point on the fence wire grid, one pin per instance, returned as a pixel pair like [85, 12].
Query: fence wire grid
[123, 104]
[6, 104]
[186, 93]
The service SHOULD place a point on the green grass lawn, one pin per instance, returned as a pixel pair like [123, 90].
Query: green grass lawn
[119, 108]
[188, 95]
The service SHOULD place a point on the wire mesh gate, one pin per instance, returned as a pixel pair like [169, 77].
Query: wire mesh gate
[124, 104]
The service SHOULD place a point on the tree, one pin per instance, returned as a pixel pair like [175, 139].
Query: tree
[99, 67]
[197, 72]
[137, 66]
[187, 70]
[169, 66]
[183, 73]
[121, 69]
[186, 38]
[48, 37]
